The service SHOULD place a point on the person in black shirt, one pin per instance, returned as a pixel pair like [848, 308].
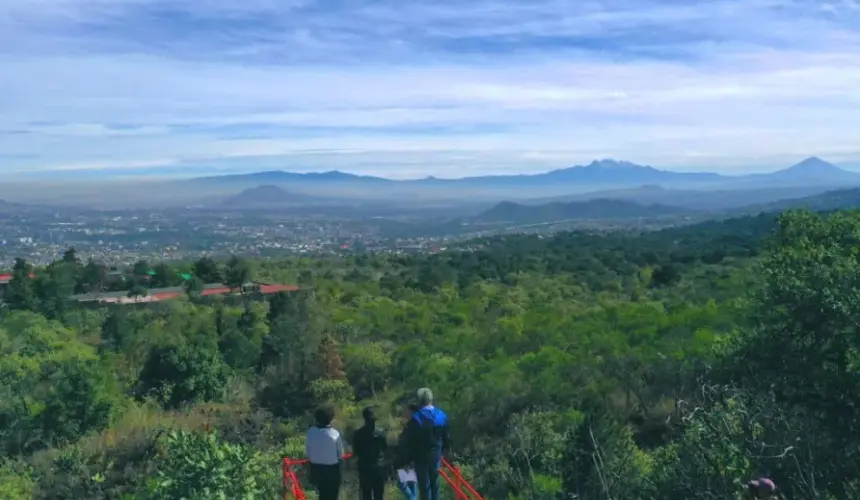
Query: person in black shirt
[407, 480]
[370, 447]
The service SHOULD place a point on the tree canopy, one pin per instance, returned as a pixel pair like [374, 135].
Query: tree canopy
[675, 364]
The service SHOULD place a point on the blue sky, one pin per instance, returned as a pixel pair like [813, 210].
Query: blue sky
[406, 88]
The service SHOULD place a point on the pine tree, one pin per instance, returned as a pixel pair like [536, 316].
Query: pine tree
[21, 293]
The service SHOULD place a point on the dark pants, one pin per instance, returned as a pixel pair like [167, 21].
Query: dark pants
[326, 479]
[371, 482]
[428, 478]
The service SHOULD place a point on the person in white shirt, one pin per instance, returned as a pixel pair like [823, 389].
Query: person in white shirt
[324, 449]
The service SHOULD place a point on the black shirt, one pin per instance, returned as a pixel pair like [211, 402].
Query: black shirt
[369, 446]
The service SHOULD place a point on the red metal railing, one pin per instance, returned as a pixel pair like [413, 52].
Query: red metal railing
[463, 490]
[457, 481]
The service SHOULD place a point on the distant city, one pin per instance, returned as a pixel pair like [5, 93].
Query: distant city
[122, 238]
[280, 213]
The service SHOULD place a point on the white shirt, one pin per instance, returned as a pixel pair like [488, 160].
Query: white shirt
[323, 446]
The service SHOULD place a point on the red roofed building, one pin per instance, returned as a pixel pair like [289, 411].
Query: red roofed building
[162, 294]
[6, 278]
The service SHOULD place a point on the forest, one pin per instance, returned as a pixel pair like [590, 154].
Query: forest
[674, 364]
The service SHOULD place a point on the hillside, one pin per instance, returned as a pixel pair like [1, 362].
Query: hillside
[592, 209]
[695, 199]
[262, 196]
[831, 200]
[668, 351]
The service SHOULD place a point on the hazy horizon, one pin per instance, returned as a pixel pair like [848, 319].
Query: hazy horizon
[411, 89]
[121, 176]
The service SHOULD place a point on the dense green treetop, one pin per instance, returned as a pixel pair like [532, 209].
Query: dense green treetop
[674, 364]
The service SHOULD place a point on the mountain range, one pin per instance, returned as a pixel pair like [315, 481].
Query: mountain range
[592, 209]
[606, 173]
[695, 199]
[840, 199]
[607, 209]
[611, 179]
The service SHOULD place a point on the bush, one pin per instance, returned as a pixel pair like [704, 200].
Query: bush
[15, 482]
[200, 466]
[181, 374]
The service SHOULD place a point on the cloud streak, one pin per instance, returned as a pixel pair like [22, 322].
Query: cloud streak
[443, 88]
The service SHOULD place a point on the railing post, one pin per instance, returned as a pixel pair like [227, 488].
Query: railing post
[291, 481]
[449, 473]
[458, 492]
[284, 478]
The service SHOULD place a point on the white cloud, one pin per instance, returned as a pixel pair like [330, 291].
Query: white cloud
[381, 86]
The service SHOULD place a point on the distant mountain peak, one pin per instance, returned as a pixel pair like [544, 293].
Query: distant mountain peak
[334, 174]
[610, 164]
[814, 164]
[815, 169]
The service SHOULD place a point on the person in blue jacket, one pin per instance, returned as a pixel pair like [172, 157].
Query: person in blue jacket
[428, 440]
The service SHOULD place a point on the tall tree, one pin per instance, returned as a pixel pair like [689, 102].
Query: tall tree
[116, 329]
[207, 270]
[281, 304]
[21, 293]
[71, 257]
[193, 287]
[184, 373]
[140, 268]
[164, 276]
[53, 286]
[137, 291]
[238, 272]
[91, 278]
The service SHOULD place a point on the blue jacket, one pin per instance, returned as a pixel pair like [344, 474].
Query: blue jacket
[428, 435]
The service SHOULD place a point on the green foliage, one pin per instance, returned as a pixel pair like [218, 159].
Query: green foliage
[603, 461]
[21, 293]
[199, 466]
[193, 287]
[16, 482]
[237, 273]
[800, 355]
[241, 334]
[53, 388]
[207, 270]
[82, 398]
[137, 291]
[330, 391]
[181, 374]
[367, 367]
[91, 278]
[667, 365]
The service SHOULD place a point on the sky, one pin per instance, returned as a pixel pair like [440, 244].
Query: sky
[408, 88]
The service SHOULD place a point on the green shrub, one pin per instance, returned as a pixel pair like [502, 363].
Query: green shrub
[200, 466]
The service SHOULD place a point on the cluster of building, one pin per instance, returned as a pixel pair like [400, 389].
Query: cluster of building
[254, 288]
[169, 293]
